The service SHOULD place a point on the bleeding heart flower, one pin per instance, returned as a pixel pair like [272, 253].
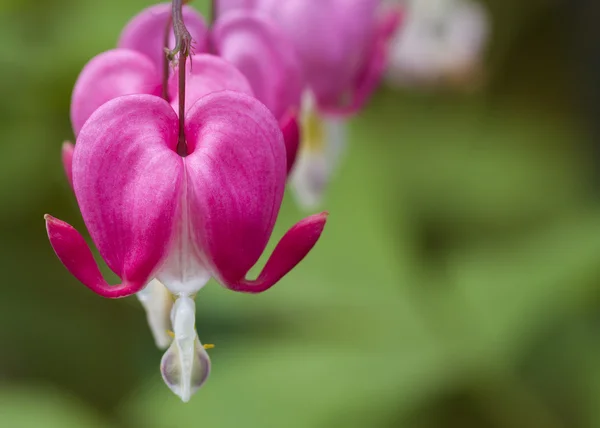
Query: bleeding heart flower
[136, 67]
[182, 220]
[122, 71]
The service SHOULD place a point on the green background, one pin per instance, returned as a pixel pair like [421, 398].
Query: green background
[456, 283]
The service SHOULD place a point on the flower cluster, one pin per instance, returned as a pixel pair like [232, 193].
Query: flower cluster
[181, 158]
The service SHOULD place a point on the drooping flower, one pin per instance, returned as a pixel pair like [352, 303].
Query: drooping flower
[181, 220]
[120, 72]
[166, 220]
[441, 44]
[342, 46]
[137, 67]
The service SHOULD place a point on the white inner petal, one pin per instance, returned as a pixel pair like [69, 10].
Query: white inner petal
[186, 365]
[324, 140]
[184, 273]
[157, 301]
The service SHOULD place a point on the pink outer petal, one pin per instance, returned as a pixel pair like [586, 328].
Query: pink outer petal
[109, 75]
[67, 160]
[228, 5]
[290, 251]
[236, 174]
[291, 136]
[263, 53]
[206, 74]
[370, 76]
[73, 252]
[145, 32]
[127, 179]
[331, 38]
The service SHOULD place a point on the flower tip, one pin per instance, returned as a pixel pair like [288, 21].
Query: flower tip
[67, 160]
[291, 136]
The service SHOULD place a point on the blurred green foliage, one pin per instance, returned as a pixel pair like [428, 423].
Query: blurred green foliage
[456, 284]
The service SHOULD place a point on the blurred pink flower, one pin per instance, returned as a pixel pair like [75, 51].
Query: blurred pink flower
[342, 46]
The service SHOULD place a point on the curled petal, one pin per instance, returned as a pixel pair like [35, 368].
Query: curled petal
[291, 136]
[109, 75]
[145, 32]
[206, 74]
[67, 160]
[264, 54]
[292, 248]
[127, 180]
[373, 69]
[236, 174]
[74, 253]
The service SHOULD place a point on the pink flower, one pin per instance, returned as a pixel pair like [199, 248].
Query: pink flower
[137, 195]
[155, 214]
[160, 219]
[263, 53]
[342, 46]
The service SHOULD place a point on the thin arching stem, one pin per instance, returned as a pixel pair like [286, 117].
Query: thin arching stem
[166, 61]
[183, 44]
[213, 12]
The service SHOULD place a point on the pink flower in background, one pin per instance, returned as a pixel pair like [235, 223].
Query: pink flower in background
[182, 220]
[262, 52]
[342, 46]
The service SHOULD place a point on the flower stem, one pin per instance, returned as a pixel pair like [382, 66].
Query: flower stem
[166, 61]
[213, 12]
[183, 44]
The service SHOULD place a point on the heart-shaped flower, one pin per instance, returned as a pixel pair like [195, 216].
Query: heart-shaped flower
[182, 220]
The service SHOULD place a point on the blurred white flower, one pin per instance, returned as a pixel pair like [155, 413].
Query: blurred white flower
[440, 42]
[323, 142]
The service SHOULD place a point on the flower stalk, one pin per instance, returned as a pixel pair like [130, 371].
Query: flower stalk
[183, 45]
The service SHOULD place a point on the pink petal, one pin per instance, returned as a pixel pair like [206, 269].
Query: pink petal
[331, 39]
[67, 160]
[291, 137]
[290, 251]
[262, 52]
[236, 174]
[228, 5]
[206, 74]
[145, 32]
[109, 75]
[73, 252]
[370, 76]
[127, 179]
